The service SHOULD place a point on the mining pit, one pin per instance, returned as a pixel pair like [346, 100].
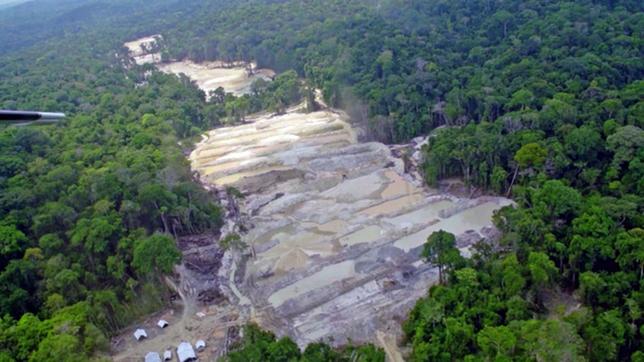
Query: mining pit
[336, 227]
[332, 232]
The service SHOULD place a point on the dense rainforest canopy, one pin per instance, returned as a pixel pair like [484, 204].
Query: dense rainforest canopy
[543, 101]
[82, 204]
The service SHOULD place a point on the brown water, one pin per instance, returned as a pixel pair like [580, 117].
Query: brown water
[474, 218]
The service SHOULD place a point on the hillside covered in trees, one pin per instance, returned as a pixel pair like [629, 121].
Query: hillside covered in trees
[90, 209]
[542, 101]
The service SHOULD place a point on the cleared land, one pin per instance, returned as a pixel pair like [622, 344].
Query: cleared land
[141, 50]
[337, 227]
[234, 77]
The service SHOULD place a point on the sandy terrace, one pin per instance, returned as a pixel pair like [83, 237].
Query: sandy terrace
[336, 227]
[234, 77]
[142, 50]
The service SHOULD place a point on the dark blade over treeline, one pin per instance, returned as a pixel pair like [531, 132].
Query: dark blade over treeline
[29, 117]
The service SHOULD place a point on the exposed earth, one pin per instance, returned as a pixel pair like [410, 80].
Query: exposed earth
[143, 51]
[335, 226]
[234, 77]
[331, 233]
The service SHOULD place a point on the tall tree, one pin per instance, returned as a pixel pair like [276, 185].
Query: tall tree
[440, 250]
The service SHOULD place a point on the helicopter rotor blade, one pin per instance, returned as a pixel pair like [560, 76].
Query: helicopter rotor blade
[22, 118]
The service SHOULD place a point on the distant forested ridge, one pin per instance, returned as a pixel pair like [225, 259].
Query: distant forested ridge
[412, 66]
[540, 100]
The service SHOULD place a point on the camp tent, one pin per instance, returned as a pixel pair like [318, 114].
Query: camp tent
[185, 352]
[140, 334]
[152, 357]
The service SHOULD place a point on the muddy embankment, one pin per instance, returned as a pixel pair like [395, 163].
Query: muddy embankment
[333, 228]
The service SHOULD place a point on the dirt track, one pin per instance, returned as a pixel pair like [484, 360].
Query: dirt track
[189, 318]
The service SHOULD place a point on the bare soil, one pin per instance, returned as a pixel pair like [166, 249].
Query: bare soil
[336, 225]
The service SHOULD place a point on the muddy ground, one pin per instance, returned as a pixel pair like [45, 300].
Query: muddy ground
[335, 226]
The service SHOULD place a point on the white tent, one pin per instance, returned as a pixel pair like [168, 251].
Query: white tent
[185, 352]
[152, 357]
[140, 334]
[200, 345]
[167, 355]
[162, 323]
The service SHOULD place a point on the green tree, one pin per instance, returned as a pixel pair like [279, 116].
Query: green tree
[512, 281]
[283, 350]
[554, 200]
[630, 247]
[499, 179]
[522, 98]
[592, 287]
[59, 347]
[440, 250]
[155, 255]
[12, 243]
[604, 335]
[496, 342]
[529, 156]
[550, 340]
[542, 270]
